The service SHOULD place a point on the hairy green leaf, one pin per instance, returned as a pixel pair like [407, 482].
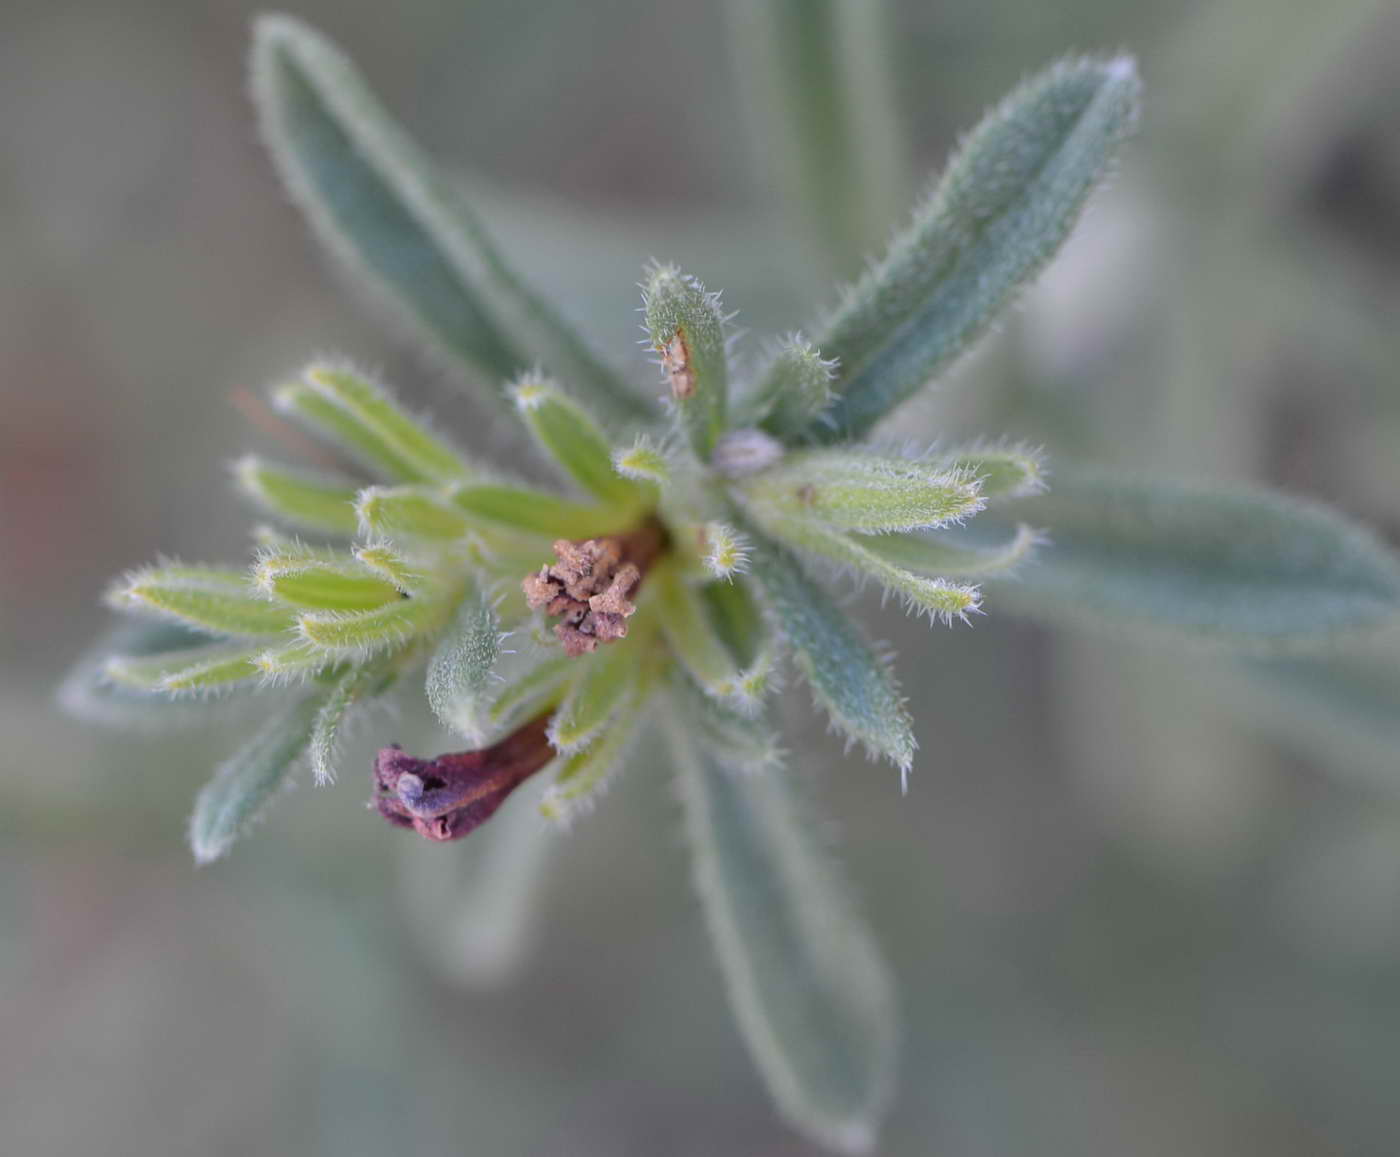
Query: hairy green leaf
[686, 325]
[870, 493]
[849, 680]
[606, 681]
[1231, 563]
[384, 209]
[1005, 205]
[323, 584]
[407, 512]
[219, 601]
[351, 686]
[808, 986]
[521, 509]
[581, 778]
[461, 681]
[306, 499]
[245, 782]
[212, 667]
[952, 553]
[571, 437]
[796, 387]
[342, 429]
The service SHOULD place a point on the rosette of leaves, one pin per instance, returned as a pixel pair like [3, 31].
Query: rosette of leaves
[688, 552]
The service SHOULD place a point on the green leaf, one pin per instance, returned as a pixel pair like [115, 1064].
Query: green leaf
[1235, 564]
[580, 778]
[313, 501]
[376, 411]
[221, 602]
[293, 662]
[349, 688]
[384, 209]
[342, 429]
[1005, 205]
[537, 688]
[461, 681]
[694, 640]
[796, 387]
[741, 740]
[408, 512]
[935, 597]
[686, 325]
[734, 614]
[245, 782]
[391, 566]
[952, 553]
[323, 584]
[1001, 471]
[523, 510]
[870, 493]
[723, 551]
[89, 693]
[606, 680]
[806, 981]
[359, 634]
[571, 437]
[644, 461]
[212, 667]
[849, 680]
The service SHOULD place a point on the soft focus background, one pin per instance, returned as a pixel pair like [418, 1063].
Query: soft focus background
[1136, 901]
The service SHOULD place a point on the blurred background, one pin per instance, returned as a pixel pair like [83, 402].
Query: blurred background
[1137, 901]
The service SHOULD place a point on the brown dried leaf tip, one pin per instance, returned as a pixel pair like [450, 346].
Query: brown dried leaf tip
[675, 360]
[589, 586]
[447, 797]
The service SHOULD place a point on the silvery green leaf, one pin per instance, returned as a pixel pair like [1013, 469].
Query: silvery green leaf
[686, 325]
[606, 681]
[857, 490]
[581, 777]
[247, 780]
[210, 599]
[849, 679]
[209, 668]
[346, 690]
[1236, 564]
[796, 387]
[472, 902]
[809, 990]
[571, 437]
[359, 634]
[953, 553]
[303, 498]
[936, 597]
[694, 640]
[741, 740]
[461, 681]
[377, 202]
[1000, 471]
[644, 461]
[331, 423]
[1004, 206]
[89, 693]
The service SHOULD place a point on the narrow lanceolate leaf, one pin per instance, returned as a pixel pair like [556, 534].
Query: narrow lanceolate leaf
[342, 429]
[953, 553]
[607, 679]
[686, 325]
[693, 640]
[461, 682]
[734, 614]
[349, 688]
[87, 692]
[302, 498]
[523, 510]
[1235, 564]
[809, 989]
[293, 662]
[391, 566]
[351, 634]
[796, 388]
[864, 492]
[407, 512]
[1001, 471]
[571, 437]
[741, 740]
[323, 584]
[1005, 205]
[935, 597]
[211, 668]
[582, 777]
[851, 682]
[222, 602]
[537, 688]
[383, 208]
[376, 411]
[244, 783]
